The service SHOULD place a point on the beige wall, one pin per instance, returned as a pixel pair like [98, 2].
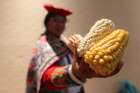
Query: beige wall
[21, 23]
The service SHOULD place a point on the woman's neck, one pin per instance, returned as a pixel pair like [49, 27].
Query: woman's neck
[52, 35]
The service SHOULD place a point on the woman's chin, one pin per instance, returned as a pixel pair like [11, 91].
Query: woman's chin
[59, 34]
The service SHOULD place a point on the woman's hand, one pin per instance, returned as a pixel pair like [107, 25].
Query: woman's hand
[73, 42]
[81, 69]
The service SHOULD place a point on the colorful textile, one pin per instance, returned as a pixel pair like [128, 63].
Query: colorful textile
[48, 70]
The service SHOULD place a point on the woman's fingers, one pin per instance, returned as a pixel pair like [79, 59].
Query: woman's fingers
[75, 39]
[71, 45]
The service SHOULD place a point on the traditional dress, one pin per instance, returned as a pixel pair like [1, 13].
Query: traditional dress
[50, 68]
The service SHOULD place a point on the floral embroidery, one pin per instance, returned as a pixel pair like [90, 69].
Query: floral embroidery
[59, 76]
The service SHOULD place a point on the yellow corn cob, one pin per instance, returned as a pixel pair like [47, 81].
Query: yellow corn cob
[97, 32]
[105, 55]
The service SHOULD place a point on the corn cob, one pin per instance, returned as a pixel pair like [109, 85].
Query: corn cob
[105, 55]
[97, 32]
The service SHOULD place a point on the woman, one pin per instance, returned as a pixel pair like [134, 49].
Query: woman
[55, 67]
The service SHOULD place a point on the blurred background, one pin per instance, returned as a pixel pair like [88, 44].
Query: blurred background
[21, 23]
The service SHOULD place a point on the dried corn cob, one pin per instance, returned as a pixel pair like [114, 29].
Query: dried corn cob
[97, 32]
[105, 55]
